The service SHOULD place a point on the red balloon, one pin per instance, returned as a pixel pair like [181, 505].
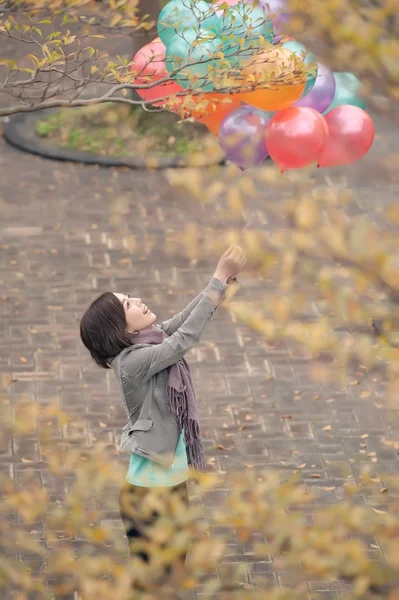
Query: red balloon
[350, 136]
[149, 66]
[296, 136]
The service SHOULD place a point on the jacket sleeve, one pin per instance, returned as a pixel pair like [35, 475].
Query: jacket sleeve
[173, 324]
[142, 363]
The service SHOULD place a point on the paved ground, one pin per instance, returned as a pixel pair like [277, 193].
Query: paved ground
[59, 252]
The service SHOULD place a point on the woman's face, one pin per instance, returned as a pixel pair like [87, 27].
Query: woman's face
[138, 316]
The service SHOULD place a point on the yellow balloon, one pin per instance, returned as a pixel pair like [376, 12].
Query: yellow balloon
[282, 71]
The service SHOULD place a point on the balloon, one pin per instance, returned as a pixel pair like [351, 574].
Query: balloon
[245, 19]
[350, 136]
[213, 123]
[220, 13]
[320, 97]
[179, 16]
[274, 99]
[212, 108]
[148, 65]
[242, 136]
[246, 27]
[347, 91]
[308, 58]
[196, 54]
[267, 67]
[296, 137]
[277, 9]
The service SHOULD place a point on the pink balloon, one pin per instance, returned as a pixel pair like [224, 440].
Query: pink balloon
[148, 66]
[296, 136]
[350, 136]
[219, 13]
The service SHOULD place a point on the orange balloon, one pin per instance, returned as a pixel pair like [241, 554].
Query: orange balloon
[212, 104]
[213, 123]
[275, 99]
[211, 110]
[280, 68]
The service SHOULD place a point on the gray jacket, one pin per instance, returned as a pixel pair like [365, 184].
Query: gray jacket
[142, 371]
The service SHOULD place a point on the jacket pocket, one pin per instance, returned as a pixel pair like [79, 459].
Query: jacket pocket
[141, 425]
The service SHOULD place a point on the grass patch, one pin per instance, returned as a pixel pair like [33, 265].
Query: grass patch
[121, 131]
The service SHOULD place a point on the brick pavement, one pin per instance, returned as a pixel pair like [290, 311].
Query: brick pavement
[58, 251]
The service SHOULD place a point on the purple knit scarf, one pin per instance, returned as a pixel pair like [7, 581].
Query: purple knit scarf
[182, 400]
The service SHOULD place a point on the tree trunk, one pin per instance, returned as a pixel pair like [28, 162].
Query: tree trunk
[152, 8]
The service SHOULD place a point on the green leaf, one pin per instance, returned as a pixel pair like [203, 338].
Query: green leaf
[46, 50]
[53, 35]
[54, 55]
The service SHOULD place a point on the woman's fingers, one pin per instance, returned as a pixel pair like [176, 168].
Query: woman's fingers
[242, 260]
[228, 251]
[237, 256]
[241, 257]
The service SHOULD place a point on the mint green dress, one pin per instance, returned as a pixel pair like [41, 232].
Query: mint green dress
[146, 473]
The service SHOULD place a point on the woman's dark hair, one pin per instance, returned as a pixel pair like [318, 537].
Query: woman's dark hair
[103, 329]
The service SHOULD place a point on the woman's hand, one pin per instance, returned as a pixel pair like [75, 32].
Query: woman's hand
[230, 264]
[232, 280]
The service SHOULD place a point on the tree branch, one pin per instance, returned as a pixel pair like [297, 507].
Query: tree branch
[23, 108]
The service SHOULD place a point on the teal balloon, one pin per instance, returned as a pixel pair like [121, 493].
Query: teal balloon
[347, 91]
[192, 48]
[246, 28]
[308, 58]
[181, 16]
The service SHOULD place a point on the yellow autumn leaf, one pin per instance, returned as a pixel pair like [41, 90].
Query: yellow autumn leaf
[307, 213]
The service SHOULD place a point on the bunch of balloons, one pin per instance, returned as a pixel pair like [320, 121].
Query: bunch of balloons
[260, 93]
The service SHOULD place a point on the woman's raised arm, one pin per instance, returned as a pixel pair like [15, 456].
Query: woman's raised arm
[226, 271]
[173, 324]
[141, 363]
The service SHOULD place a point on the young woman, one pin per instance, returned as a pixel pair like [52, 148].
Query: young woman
[163, 432]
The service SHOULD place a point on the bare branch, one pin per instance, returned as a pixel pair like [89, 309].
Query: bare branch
[23, 108]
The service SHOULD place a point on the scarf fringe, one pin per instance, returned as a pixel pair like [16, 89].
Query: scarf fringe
[177, 401]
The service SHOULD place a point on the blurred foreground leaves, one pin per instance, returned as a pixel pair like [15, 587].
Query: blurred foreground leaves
[62, 533]
[332, 272]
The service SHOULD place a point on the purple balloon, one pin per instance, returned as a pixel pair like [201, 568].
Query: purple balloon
[322, 93]
[278, 8]
[242, 136]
